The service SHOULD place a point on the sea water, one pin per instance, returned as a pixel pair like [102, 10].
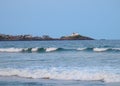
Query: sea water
[60, 63]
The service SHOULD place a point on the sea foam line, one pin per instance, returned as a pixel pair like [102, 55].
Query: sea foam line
[100, 49]
[11, 50]
[62, 74]
[51, 49]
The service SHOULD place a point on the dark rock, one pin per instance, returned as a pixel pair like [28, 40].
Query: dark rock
[74, 36]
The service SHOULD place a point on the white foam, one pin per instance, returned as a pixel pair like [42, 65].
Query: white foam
[34, 49]
[100, 49]
[115, 48]
[11, 50]
[62, 74]
[51, 49]
[25, 49]
[80, 49]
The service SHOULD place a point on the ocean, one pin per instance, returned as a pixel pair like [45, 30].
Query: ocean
[60, 63]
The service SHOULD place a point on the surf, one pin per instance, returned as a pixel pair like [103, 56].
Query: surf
[63, 74]
[55, 49]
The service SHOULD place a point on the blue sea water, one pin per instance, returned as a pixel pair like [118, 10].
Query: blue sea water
[60, 63]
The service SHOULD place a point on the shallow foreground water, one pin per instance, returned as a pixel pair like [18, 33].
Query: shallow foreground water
[60, 63]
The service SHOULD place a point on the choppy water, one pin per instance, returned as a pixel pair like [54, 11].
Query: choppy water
[96, 62]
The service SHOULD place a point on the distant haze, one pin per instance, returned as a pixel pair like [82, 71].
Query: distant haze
[99, 19]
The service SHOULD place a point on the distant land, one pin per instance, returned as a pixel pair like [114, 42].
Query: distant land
[73, 36]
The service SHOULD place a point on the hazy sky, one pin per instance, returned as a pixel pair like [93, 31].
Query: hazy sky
[95, 18]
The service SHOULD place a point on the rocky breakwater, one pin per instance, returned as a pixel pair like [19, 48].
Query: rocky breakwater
[4, 37]
[74, 36]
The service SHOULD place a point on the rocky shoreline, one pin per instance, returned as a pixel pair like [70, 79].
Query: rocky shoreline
[74, 36]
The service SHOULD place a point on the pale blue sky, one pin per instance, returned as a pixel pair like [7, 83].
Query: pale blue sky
[95, 18]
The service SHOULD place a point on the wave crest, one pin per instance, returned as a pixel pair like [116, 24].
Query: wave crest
[100, 49]
[11, 50]
[53, 49]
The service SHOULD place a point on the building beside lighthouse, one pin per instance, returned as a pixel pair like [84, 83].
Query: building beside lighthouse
[75, 34]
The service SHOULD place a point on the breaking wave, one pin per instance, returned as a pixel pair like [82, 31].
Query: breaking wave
[62, 74]
[36, 49]
[11, 49]
[52, 49]
[100, 49]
